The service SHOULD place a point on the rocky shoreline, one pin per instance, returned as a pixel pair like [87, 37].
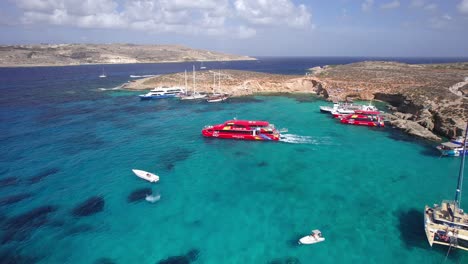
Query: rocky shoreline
[428, 101]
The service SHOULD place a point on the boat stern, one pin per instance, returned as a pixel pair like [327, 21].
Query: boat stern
[208, 131]
[427, 222]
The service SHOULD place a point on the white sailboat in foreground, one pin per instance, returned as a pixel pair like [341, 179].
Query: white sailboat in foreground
[447, 224]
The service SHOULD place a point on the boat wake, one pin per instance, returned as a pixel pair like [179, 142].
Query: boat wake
[297, 139]
[153, 198]
[111, 89]
[142, 76]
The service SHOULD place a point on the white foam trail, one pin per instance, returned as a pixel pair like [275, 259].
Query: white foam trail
[142, 76]
[296, 139]
[111, 89]
[153, 198]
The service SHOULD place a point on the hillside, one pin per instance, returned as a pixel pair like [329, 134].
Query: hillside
[78, 54]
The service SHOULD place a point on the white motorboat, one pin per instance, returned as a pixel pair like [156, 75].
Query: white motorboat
[313, 238]
[162, 92]
[328, 109]
[146, 175]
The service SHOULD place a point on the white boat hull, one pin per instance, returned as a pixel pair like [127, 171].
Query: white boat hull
[311, 240]
[146, 175]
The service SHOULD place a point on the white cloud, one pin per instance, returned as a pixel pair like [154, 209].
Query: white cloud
[245, 32]
[463, 6]
[367, 5]
[430, 7]
[391, 5]
[440, 22]
[237, 18]
[75, 7]
[417, 3]
[273, 12]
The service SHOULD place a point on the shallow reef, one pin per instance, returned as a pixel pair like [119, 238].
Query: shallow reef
[191, 256]
[139, 194]
[89, 207]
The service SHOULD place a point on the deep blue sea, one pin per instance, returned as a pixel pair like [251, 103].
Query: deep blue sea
[68, 195]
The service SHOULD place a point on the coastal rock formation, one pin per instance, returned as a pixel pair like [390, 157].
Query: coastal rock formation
[431, 99]
[78, 54]
[434, 94]
[233, 82]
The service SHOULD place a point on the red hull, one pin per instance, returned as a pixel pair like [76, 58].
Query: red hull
[364, 118]
[244, 130]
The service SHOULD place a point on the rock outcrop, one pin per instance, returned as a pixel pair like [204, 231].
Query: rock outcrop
[428, 99]
[434, 96]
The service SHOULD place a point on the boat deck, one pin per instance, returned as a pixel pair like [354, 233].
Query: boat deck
[446, 213]
[446, 226]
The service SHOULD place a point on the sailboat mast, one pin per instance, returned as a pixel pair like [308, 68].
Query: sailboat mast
[193, 78]
[185, 80]
[460, 174]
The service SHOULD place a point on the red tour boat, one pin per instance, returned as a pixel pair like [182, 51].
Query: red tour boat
[364, 118]
[243, 129]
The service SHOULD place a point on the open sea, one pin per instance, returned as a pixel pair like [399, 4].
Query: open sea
[68, 195]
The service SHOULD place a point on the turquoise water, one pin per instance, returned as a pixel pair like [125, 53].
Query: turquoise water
[231, 201]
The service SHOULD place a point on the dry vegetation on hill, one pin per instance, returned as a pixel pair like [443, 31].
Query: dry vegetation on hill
[78, 54]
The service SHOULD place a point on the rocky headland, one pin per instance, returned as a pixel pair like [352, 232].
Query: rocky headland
[80, 54]
[426, 100]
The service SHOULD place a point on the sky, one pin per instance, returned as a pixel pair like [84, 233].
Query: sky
[382, 28]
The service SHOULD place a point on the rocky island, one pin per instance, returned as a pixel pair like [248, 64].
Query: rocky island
[79, 54]
[426, 100]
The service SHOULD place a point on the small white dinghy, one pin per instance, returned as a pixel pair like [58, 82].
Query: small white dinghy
[313, 238]
[146, 175]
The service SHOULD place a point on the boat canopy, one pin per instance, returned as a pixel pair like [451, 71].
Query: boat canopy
[450, 145]
[246, 123]
[316, 232]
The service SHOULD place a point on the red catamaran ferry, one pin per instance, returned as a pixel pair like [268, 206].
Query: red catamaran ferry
[364, 118]
[243, 129]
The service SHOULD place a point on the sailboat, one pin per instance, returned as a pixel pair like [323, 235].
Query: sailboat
[194, 95]
[202, 67]
[447, 224]
[103, 75]
[216, 97]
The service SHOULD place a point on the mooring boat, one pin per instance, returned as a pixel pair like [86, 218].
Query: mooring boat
[447, 224]
[146, 175]
[215, 98]
[364, 118]
[162, 92]
[453, 148]
[313, 238]
[243, 129]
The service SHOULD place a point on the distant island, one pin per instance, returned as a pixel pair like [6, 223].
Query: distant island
[81, 54]
[427, 100]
